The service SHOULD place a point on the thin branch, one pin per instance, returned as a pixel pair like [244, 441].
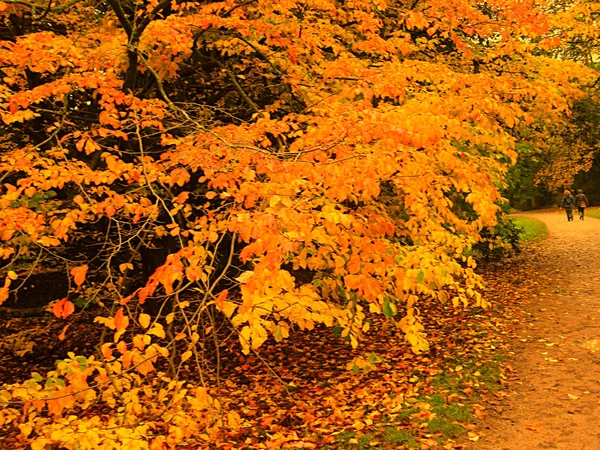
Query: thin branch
[118, 10]
[34, 6]
[233, 80]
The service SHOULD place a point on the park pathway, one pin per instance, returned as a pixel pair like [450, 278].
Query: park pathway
[554, 389]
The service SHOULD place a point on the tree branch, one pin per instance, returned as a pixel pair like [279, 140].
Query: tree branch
[118, 10]
[233, 80]
[34, 6]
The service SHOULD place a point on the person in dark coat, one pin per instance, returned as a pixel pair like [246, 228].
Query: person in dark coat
[568, 202]
[581, 202]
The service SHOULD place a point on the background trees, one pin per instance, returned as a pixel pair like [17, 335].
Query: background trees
[273, 165]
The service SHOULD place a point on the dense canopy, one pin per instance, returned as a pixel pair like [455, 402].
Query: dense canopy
[272, 164]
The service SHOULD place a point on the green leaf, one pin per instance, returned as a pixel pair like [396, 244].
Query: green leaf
[373, 358]
[389, 309]
[420, 276]
[36, 376]
[80, 302]
[55, 380]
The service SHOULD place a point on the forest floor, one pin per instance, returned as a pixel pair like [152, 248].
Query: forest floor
[554, 389]
[521, 375]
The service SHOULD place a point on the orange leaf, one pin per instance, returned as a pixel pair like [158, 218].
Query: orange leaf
[79, 273]
[222, 296]
[110, 211]
[63, 333]
[106, 351]
[144, 293]
[182, 197]
[63, 309]
[90, 146]
[121, 321]
[122, 347]
[3, 294]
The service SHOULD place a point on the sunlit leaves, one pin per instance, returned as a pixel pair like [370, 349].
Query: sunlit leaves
[245, 170]
[157, 330]
[144, 320]
[186, 355]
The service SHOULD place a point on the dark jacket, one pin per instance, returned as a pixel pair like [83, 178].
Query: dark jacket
[581, 200]
[568, 202]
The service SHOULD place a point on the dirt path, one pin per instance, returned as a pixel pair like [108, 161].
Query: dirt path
[554, 400]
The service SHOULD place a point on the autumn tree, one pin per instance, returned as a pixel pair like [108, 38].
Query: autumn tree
[269, 165]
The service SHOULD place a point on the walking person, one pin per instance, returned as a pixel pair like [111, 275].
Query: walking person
[581, 202]
[568, 202]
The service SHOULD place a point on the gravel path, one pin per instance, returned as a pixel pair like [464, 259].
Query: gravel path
[554, 400]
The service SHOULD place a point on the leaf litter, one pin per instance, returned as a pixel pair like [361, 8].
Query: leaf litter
[302, 395]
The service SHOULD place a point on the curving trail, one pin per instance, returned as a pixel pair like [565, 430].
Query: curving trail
[554, 390]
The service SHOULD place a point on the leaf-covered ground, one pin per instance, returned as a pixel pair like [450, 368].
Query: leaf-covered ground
[301, 395]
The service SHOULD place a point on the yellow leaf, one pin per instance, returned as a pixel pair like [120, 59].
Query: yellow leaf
[234, 420]
[472, 436]
[245, 276]
[125, 266]
[138, 342]
[39, 444]
[144, 320]
[12, 275]
[163, 351]
[573, 397]
[186, 355]
[157, 330]
[510, 121]
[244, 337]
[26, 429]
[274, 200]
[227, 308]
[358, 425]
